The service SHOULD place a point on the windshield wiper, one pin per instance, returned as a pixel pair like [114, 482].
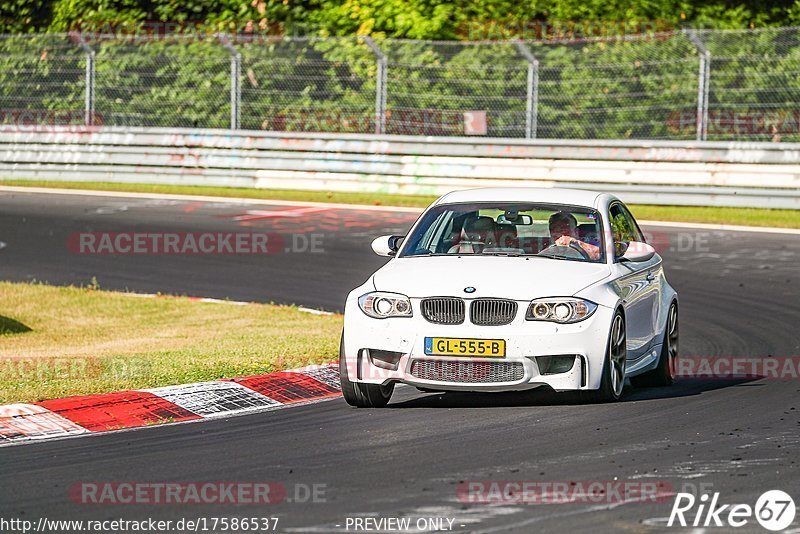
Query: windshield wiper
[509, 254]
[425, 252]
[552, 256]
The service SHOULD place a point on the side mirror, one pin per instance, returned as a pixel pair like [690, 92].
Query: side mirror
[638, 252]
[386, 245]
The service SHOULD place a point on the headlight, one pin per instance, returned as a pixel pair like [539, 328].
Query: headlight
[560, 310]
[382, 305]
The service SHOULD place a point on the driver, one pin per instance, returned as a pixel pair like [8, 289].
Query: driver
[563, 229]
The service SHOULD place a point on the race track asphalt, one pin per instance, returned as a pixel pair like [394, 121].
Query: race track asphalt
[739, 298]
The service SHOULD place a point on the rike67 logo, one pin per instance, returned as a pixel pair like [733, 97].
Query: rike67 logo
[774, 510]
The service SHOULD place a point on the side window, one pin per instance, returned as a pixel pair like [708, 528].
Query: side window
[634, 226]
[623, 228]
[446, 238]
[433, 233]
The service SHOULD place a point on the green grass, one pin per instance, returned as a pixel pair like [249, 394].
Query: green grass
[711, 215]
[58, 341]
[375, 199]
[719, 215]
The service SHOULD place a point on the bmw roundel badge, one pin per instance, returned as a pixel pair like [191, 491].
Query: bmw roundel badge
[469, 289]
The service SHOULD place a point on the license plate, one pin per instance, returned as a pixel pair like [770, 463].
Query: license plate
[448, 346]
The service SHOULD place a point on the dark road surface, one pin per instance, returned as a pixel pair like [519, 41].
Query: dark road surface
[739, 297]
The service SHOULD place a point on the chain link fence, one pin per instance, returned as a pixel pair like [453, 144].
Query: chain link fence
[754, 84]
[308, 84]
[178, 82]
[42, 81]
[682, 85]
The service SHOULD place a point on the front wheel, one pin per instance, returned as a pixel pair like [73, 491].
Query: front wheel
[664, 374]
[613, 380]
[361, 395]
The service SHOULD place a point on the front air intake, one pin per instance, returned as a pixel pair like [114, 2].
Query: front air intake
[492, 312]
[467, 372]
[443, 310]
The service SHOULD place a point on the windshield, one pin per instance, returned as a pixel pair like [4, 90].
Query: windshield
[508, 229]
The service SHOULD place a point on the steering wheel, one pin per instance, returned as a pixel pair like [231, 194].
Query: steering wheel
[573, 245]
[564, 251]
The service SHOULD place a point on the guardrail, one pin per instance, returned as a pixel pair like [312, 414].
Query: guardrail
[765, 175]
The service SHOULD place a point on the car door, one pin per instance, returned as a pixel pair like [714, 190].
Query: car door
[637, 283]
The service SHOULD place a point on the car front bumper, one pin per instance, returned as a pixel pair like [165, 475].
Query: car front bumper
[517, 370]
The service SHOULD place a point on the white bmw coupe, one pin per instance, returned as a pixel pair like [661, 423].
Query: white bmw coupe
[510, 289]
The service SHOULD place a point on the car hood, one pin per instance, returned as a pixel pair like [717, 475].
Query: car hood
[514, 278]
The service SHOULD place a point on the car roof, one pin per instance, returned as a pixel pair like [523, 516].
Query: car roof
[542, 195]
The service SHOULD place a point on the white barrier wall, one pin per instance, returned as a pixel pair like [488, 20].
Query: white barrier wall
[719, 174]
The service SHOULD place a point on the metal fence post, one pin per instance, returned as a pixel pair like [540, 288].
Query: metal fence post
[236, 87]
[532, 97]
[88, 112]
[706, 93]
[380, 85]
[703, 84]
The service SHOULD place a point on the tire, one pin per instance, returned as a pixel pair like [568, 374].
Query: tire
[664, 374]
[612, 382]
[361, 395]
